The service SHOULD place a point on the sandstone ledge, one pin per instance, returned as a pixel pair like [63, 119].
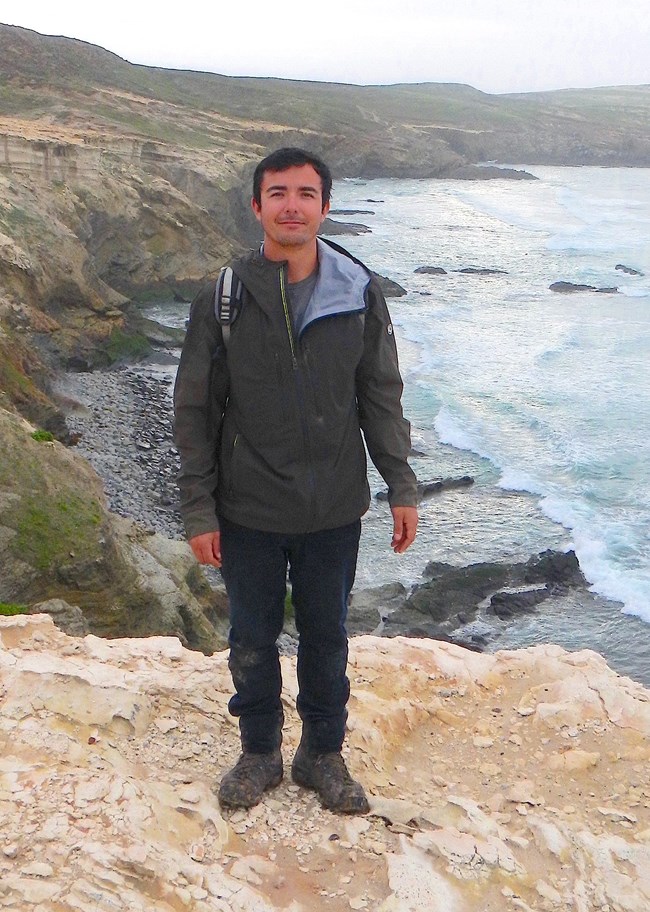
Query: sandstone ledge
[515, 781]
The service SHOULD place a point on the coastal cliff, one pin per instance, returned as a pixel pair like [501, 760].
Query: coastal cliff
[63, 552]
[517, 781]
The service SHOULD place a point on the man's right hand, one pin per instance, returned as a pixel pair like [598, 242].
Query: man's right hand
[207, 548]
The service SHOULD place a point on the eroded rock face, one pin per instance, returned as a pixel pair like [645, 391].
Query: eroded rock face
[513, 781]
[58, 541]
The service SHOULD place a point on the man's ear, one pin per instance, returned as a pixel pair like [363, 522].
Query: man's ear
[257, 209]
[326, 209]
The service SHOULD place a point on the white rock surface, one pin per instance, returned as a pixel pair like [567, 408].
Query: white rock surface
[515, 781]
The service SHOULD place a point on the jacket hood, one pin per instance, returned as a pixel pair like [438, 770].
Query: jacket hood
[340, 286]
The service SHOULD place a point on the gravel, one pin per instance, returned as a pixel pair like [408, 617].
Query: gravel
[123, 418]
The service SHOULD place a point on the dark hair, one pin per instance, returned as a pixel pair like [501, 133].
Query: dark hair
[282, 159]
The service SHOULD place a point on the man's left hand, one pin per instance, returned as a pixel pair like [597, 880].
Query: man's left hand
[405, 524]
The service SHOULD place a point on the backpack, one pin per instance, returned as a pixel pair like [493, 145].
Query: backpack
[228, 299]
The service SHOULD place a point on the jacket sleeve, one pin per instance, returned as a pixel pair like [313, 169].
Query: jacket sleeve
[200, 395]
[379, 393]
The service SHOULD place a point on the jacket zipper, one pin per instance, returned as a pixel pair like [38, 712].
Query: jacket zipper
[300, 391]
[287, 320]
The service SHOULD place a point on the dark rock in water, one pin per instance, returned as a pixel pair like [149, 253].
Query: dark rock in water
[628, 270]
[481, 270]
[507, 602]
[158, 334]
[425, 294]
[427, 489]
[161, 358]
[571, 287]
[351, 212]
[331, 227]
[488, 172]
[390, 289]
[180, 299]
[554, 568]
[430, 270]
[374, 201]
[452, 591]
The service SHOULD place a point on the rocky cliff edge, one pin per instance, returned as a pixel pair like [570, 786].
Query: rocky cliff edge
[59, 543]
[515, 781]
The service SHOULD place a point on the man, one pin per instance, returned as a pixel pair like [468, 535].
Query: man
[273, 470]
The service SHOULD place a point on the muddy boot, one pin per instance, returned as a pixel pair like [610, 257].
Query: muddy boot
[328, 775]
[252, 775]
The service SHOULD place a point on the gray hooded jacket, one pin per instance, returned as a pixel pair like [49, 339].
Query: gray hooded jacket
[269, 430]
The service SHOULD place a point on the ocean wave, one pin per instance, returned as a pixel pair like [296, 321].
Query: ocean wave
[634, 292]
[451, 431]
[607, 576]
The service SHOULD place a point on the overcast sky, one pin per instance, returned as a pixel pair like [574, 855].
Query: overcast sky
[493, 45]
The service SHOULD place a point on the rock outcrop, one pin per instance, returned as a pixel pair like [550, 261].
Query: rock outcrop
[58, 541]
[452, 596]
[573, 287]
[517, 782]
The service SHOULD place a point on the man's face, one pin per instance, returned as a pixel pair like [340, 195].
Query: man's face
[291, 210]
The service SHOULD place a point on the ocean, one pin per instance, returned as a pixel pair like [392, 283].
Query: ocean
[543, 398]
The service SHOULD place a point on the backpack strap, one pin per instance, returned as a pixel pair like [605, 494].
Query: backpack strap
[228, 298]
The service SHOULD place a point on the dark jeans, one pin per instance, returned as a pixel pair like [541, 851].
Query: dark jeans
[321, 566]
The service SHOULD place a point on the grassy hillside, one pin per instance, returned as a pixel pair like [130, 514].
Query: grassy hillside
[71, 81]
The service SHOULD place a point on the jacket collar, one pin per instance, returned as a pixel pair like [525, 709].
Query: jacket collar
[340, 286]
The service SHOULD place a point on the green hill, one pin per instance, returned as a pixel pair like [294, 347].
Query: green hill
[421, 130]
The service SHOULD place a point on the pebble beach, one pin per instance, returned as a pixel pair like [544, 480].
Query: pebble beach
[123, 421]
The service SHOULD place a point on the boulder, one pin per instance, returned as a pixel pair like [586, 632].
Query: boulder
[454, 593]
[368, 608]
[510, 601]
[628, 270]
[572, 287]
[332, 227]
[390, 288]
[351, 212]
[555, 569]
[68, 618]
[427, 489]
[430, 270]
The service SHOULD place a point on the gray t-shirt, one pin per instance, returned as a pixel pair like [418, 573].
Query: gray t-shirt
[299, 296]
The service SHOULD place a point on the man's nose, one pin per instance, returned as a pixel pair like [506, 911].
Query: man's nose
[291, 202]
